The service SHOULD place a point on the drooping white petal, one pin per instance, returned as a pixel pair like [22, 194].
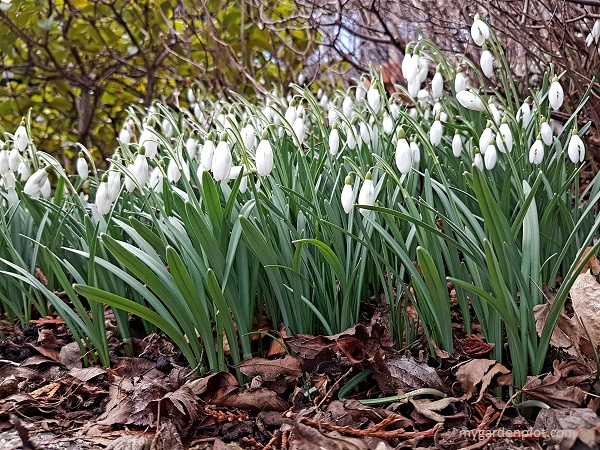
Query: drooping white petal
[479, 31]
[437, 86]
[403, 156]
[435, 133]
[334, 141]
[222, 161]
[487, 63]
[556, 95]
[536, 152]
[546, 133]
[504, 141]
[82, 168]
[457, 145]
[576, 149]
[470, 101]
[491, 156]
[264, 158]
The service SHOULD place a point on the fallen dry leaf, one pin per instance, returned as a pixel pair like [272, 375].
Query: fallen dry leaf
[553, 390]
[585, 297]
[581, 422]
[167, 438]
[87, 374]
[272, 369]
[432, 410]
[70, 357]
[131, 442]
[395, 373]
[472, 345]
[214, 387]
[11, 376]
[308, 438]
[260, 399]
[477, 371]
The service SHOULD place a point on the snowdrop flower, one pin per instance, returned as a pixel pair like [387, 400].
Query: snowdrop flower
[495, 112]
[413, 113]
[435, 132]
[555, 94]
[437, 85]
[437, 109]
[334, 141]
[222, 160]
[410, 67]
[487, 62]
[156, 180]
[198, 112]
[576, 149]
[374, 98]
[491, 156]
[347, 107]
[403, 154]
[13, 159]
[191, 97]
[536, 152]
[479, 31]
[264, 156]
[366, 196]
[291, 113]
[114, 185]
[249, 136]
[82, 167]
[413, 88]
[36, 181]
[387, 124]
[125, 133]
[23, 171]
[103, 200]
[46, 189]
[423, 70]
[299, 130]
[173, 172]
[524, 113]
[505, 143]
[20, 138]
[350, 137]
[457, 144]
[361, 92]
[9, 180]
[347, 195]
[546, 132]
[206, 156]
[470, 101]
[460, 82]
[394, 110]
[594, 35]
[167, 127]
[332, 115]
[4, 165]
[365, 133]
[486, 137]
[478, 161]
[415, 154]
[423, 98]
[149, 140]
[191, 146]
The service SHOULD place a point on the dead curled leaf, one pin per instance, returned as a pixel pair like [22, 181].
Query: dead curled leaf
[401, 373]
[553, 390]
[476, 372]
[272, 369]
[582, 422]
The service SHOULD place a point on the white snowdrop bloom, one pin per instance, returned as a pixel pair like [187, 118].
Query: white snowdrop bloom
[437, 85]
[423, 70]
[149, 140]
[496, 116]
[546, 133]
[140, 167]
[156, 180]
[299, 130]
[486, 61]
[114, 185]
[443, 117]
[435, 132]
[347, 197]
[478, 161]
[365, 133]
[23, 171]
[191, 147]
[198, 112]
[413, 113]
[594, 35]
[36, 181]
[244, 184]
[479, 31]
[374, 98]
[416, 154]
[491, 156]
[13, 159]
[460, 82]
[413, 88]
[347, 107]
[268, 113]
[167, 127]
[366, 195]
[387, 124]
[46, 189]
[334, 141]
[173, 172]
[437, 109]
[191, 97]
[403, 156]
[484, 140]
[536, 152]
[576, 149]
[505, 138]
[524, 114]
[556, 95]
[207, 154]
[264, 157]
[350, 138]
[470, 101]
[332, 115]
[395, 111]
[410, 67]
[423, 98]
[4, 165]
[290, 114]
[249, 136]
[20, 138]
[301, 78]
[361, 92]
[457, 144]
[83, 169]
[222, 161]
[9, 180]
[103, 200]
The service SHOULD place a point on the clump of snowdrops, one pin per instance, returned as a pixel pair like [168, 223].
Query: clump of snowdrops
[301, 207]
